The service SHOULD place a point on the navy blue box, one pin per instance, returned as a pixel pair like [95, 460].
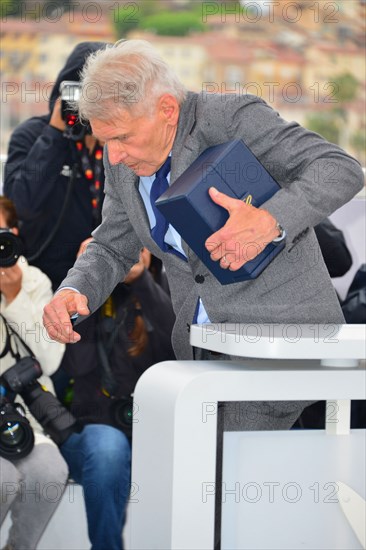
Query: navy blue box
[233, 169]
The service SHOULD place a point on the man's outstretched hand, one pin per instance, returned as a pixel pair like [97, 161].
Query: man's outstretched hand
[56, 315]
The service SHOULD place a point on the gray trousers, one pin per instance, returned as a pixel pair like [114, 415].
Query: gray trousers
[254, 415]
[31, 489]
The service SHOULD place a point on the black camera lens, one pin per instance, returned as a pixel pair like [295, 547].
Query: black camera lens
[122, 410]
[10, 248]
[12, 434]
[16, 434]
[54, 418]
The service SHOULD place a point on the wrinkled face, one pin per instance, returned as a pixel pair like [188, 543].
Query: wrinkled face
[140, 142]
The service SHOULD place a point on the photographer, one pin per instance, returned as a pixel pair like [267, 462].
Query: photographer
[24, 291]
[128, 334]
[55, 177]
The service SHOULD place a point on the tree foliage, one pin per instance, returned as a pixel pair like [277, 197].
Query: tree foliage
[172, 24]
[151, 16]
[9, 8]
[346, 86]
[324, 124]
[332, 123]
[358, 142]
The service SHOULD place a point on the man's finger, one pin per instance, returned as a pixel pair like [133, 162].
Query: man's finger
[214, 248]
[56, 317]
[247, 254]
[62, 334]
[57, 330]
[223, 200]
[230, 249]
[81, 306]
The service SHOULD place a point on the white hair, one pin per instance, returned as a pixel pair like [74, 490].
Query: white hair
[129, 75]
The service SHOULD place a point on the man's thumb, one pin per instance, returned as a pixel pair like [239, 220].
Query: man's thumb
[81, 303]
[221, 199]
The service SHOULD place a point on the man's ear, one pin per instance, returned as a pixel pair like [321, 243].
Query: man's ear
[15, 230]
[169, 109]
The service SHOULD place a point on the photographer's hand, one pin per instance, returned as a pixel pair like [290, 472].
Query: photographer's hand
[56, 315]
[83, 246]
[10, 282]
[56, 120]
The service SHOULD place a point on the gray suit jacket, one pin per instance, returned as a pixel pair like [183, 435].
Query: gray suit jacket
[316, 178]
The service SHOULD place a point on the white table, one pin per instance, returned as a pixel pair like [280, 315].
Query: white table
[175, 422]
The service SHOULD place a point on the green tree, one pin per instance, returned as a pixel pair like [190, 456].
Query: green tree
[324, 124]
[128, 16]
[10, 8]
[334, 124]
[358, 142]
[173, 24]
[346, 87]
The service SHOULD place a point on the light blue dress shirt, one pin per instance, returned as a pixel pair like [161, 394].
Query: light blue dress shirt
[171, 237]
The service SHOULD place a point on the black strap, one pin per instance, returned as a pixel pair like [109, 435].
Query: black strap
[8, 348]
[105, 343]
[50, 237]
[108, 330]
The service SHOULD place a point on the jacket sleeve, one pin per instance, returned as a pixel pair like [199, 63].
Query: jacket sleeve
[36, 155]
[24, 314]
[316, 177]
[114, 249]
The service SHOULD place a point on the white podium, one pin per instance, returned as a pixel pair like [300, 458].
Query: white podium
[175, 429]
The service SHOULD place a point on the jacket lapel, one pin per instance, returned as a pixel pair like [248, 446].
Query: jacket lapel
[185, 150]
[186, 147]
[128, 189]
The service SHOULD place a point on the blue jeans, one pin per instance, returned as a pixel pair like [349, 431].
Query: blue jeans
[99, 459]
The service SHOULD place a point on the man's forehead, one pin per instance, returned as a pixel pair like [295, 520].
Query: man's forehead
[117, 118]
[120, 123]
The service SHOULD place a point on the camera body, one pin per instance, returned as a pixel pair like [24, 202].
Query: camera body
[121, 406]
[55, 419]
[70, 91]
[11, 247]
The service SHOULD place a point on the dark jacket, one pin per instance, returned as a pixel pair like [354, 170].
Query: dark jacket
[83, 362]
[37, 177]
[334, 248]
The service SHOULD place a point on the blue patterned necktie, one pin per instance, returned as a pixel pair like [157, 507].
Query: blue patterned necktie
[160, 184]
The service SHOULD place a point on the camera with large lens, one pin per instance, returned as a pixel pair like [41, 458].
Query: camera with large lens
[55, 419]
[16, 434]
[11, 247]
[70, 91]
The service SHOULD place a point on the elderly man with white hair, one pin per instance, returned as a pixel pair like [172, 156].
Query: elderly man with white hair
[154, 128]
